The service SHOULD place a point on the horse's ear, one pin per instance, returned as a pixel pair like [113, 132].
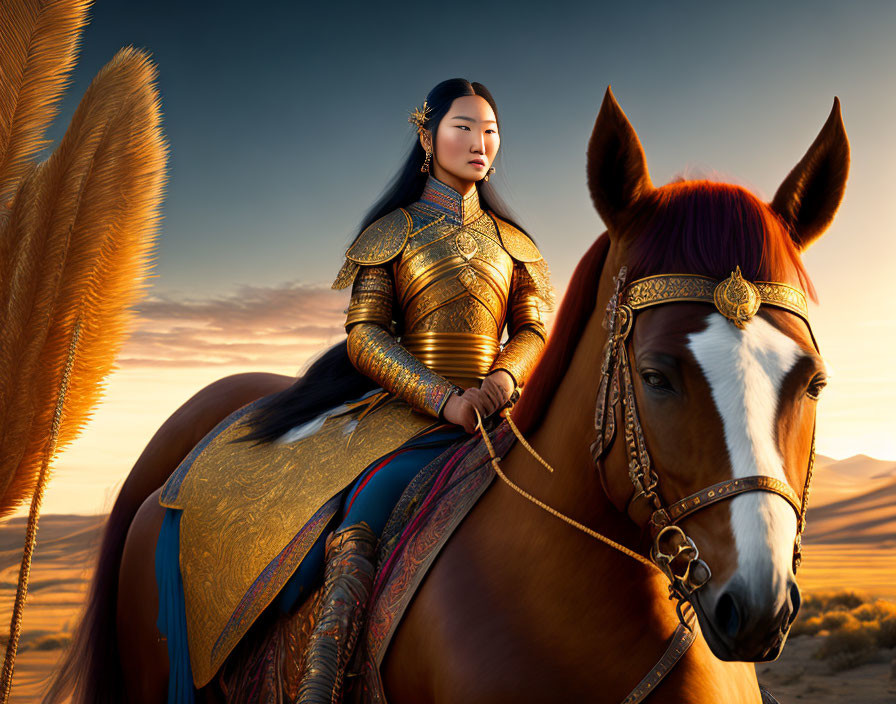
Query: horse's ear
[811, 193]
[617, 169]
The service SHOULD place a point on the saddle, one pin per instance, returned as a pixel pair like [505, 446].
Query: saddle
[251, 513]
[266, 665]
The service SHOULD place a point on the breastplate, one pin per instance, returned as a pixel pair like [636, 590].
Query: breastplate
[452, 286]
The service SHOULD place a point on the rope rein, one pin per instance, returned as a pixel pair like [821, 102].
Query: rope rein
[554, 512]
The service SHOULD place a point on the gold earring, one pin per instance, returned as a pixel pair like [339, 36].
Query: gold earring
[491, 170]
[425, 167]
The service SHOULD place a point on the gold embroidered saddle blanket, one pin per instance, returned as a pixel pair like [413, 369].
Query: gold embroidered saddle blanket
[266, 665]
[252, 512]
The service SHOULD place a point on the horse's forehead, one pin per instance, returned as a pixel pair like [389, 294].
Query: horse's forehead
[746, 369]
[679, 325]
[670, 326]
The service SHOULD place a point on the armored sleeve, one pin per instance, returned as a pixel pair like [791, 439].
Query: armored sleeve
[525, 327]
[375, 352]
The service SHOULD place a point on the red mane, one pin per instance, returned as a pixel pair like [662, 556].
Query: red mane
[708, 228]
[695, 227]
[575, 310]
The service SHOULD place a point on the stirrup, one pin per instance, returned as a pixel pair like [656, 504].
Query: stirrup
[348, 580]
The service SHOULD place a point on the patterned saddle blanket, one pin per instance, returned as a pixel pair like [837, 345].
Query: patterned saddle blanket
[265, 667]
[251, 512]
[429, 512]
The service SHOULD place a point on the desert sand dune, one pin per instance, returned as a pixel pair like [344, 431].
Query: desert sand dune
[60, 574]
[837, 480]
[862, 519]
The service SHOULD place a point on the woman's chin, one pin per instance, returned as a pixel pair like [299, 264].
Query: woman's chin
[469, 174]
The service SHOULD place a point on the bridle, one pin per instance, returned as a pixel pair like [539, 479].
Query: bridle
[672, 551]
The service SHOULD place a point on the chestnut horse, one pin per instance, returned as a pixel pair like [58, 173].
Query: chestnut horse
[520, 606]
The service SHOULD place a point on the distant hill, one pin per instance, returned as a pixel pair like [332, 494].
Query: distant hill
[859, 466]
[72, 539]
[867, 517]
[836, 480]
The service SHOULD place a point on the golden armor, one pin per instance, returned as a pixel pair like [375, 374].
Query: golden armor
[435, 284]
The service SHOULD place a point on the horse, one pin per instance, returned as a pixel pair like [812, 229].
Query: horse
[520, 606]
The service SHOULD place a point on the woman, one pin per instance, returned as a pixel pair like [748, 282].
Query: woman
[437, 272]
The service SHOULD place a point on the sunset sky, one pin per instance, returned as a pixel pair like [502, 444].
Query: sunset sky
[286, 122]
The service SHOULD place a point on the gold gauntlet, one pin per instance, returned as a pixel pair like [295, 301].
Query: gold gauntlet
[376, 353]
[379, 355]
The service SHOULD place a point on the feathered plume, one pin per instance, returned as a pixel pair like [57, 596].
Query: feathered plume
[76, 241]
[39, 42]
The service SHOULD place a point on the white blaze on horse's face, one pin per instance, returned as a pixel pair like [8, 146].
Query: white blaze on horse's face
[745, 369]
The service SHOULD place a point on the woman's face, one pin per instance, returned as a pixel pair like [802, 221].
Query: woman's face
[466, 142]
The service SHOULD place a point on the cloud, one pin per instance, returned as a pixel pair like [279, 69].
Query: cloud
[255, 326]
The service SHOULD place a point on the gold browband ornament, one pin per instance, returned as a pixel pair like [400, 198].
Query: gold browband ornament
[735, 297]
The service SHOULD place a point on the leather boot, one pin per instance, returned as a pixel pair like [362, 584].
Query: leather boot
[348, 580]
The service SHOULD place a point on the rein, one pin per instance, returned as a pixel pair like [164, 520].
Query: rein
[683, 636]
[554, 512]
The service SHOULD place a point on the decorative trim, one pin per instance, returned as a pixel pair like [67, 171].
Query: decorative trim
[672, 288]
[261, 593]
[440, 196]
[170, 490]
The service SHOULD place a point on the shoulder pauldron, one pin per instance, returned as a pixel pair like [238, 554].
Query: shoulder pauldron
[517, 242]
[523, 249]
[380, 242]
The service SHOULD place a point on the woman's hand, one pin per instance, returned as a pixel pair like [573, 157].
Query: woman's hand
[460, 409]
[497, 387]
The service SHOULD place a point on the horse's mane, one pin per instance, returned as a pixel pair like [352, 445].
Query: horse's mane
[697, 227]
[570, 322]
[708, 228]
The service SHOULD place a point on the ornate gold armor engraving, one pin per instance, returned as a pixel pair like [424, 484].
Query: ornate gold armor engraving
[733, 297]
[435, 285]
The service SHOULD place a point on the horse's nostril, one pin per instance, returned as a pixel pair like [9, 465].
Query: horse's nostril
[728, 615]
[795, 601]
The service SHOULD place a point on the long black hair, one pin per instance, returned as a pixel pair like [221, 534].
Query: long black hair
[332, 379]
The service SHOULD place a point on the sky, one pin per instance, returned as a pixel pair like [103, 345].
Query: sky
[287, 120]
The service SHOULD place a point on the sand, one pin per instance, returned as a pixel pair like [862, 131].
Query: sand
[798, 677]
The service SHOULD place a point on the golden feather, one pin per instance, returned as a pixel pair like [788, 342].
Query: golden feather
[77, 234]
[76, 243]
[39, 43]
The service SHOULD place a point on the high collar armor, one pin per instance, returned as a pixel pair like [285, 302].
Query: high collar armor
[440, 199]
[444, 277]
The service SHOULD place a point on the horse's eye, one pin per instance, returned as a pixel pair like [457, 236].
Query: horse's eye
[815, 387]
[655, 379]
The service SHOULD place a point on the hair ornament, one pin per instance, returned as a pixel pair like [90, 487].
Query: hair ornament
[419, 116]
